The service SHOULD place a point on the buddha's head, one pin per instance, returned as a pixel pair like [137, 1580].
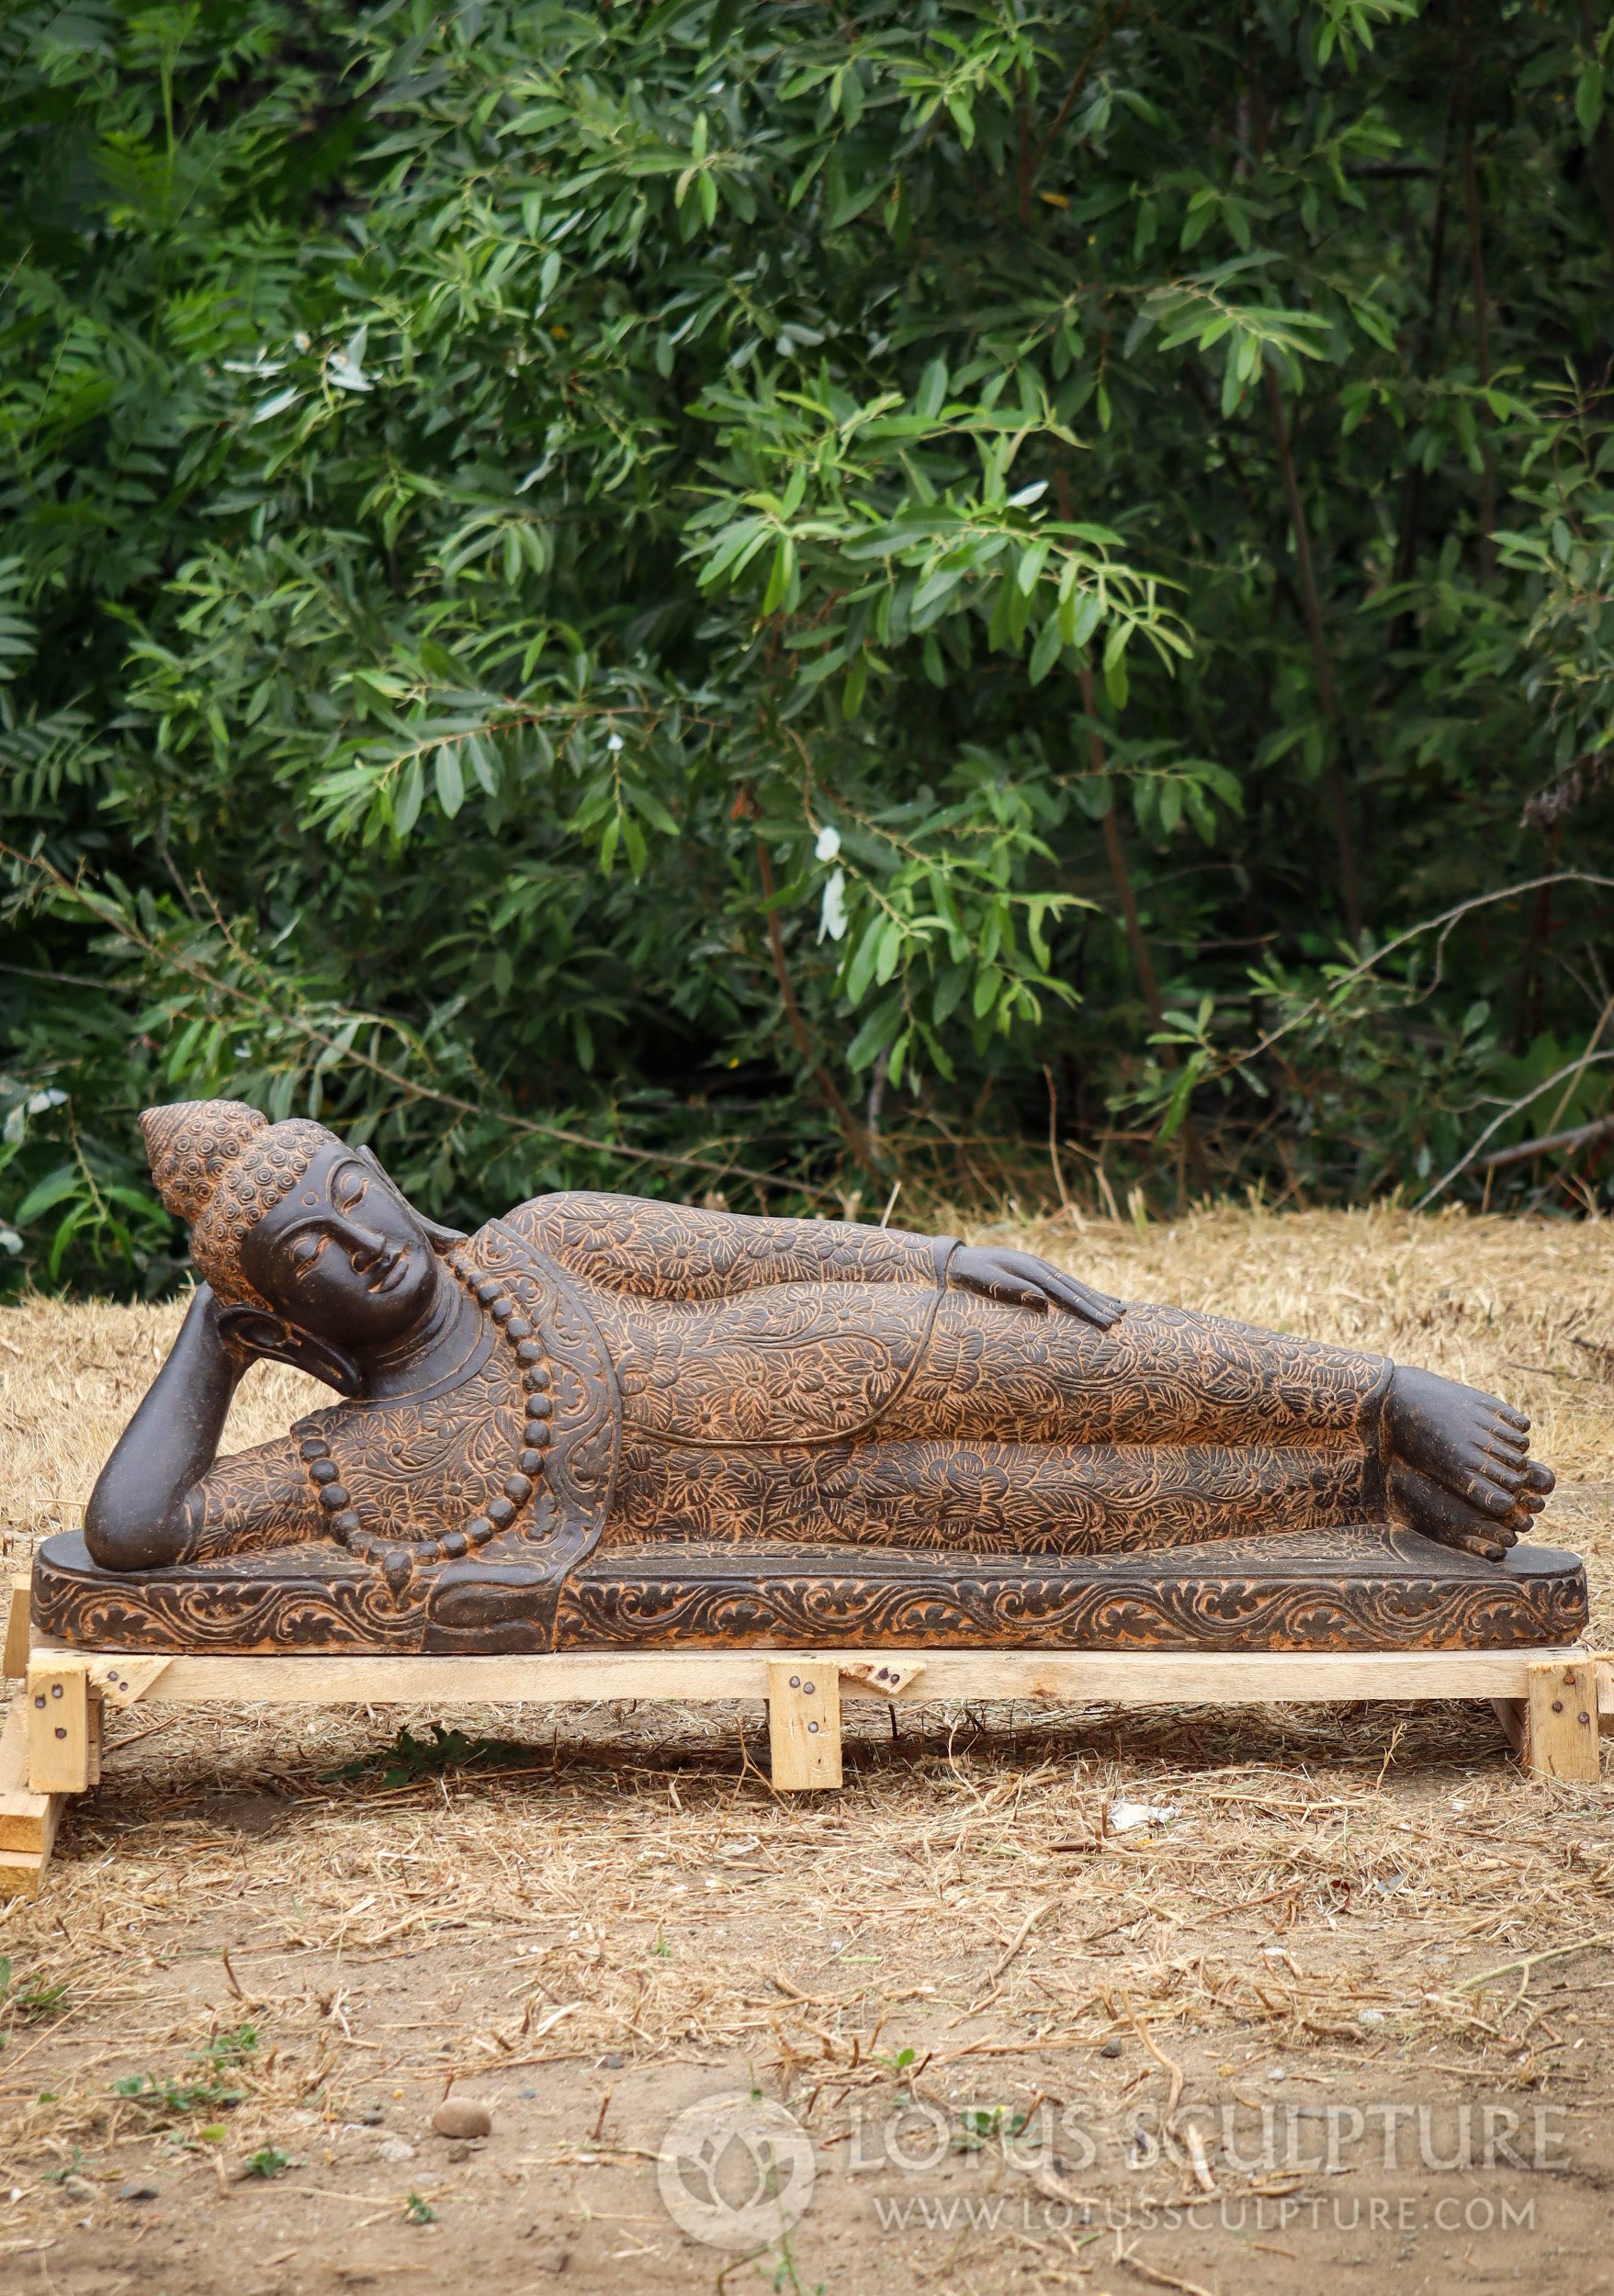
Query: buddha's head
[300, 1236]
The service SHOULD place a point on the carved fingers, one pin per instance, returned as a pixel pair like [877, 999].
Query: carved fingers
[1024, 1280]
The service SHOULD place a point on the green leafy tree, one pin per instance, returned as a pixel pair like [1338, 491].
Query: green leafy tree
[709, 598]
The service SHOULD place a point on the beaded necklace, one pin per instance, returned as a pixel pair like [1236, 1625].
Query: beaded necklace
[397, 1561]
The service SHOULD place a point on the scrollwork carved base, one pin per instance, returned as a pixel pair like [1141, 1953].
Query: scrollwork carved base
[1360, 1587]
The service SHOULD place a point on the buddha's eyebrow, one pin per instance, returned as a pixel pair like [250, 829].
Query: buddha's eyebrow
[296, 1228]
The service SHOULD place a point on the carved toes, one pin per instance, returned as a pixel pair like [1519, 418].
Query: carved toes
[1441, 1514]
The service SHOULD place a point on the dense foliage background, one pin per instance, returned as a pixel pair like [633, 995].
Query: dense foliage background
[769, 599]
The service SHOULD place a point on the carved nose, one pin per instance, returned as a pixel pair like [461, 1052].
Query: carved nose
[366, 1246]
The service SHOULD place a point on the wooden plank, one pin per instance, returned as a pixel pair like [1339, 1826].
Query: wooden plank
[1514, 1715]
[1563, 1729]
[122, 1682]
[1605, 1698]
[879, 1678]
[15, 1662]
[58, 1706]
[1124, 1678]
[27, 1820]
[804, 1724]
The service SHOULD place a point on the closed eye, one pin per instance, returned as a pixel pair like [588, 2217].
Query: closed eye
[306, 1251]
[347, 1190]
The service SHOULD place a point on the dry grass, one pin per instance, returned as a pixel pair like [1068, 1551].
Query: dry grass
[621, 1908]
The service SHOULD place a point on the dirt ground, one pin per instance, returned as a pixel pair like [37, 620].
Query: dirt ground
[1339, 2016]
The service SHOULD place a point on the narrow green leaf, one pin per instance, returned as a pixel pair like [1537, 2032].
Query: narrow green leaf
[1045, 652]
[411, 795]
[449, 779]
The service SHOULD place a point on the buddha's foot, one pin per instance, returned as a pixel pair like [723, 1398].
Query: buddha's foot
[1460, 1469]
[487, 1593]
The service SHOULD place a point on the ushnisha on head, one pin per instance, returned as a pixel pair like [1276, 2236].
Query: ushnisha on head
[304, 1240]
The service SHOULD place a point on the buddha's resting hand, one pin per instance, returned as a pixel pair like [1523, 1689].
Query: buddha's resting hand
[1022, 1280]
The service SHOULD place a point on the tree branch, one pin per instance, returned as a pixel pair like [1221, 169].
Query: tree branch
[1552, 1143]
[108, 914]
[1143, 963]
[1482, 320]
[1569, 1068]
[1109, 26]
[857, 1139]
[1322, 666]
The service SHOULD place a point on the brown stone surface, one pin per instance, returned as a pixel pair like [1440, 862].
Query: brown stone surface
[604, 1421]
[1361, 1587]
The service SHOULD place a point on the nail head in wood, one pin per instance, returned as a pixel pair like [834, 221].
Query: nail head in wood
[60, 1752]
[124, 1681]
[1561, 1735]
[803, 1728]
[882, 1678]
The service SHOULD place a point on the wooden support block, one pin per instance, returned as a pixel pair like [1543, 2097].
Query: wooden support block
[804, 1723]
[22, 1872]
[15, 1662]
[58, 1705]
[95, 1717]
[1562, 1734]
[880, 1678]
[1514, 1715]
[121, 1682]
[27, 1820]
[1606, 1697]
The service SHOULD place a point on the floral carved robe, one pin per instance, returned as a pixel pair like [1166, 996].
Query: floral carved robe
[735, 1382]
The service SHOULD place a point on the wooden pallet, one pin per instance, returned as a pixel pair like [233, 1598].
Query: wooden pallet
[1554, 1704]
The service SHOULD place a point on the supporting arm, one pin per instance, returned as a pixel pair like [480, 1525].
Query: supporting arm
[136, 1519]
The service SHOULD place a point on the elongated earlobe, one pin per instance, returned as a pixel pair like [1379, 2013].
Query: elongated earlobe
[255, 1331]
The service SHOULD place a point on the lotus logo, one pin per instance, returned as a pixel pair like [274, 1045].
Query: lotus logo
[736, 2171]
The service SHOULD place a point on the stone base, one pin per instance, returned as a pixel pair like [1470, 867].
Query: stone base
[1371, 1586]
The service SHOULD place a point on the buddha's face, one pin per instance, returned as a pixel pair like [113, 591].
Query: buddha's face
[344, 1255]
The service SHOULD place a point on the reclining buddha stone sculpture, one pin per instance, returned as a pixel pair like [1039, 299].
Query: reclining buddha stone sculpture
[602, 1421]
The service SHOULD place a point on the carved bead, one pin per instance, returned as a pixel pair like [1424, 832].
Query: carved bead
[539, 1407]
[502, 1310]
[478, 1530]
[345, 1525]
[316, 1447]
[529, 1352]
[538, 1377]
[487, 1291]
[519, 1488]
[325, 1470]
[333, 1498]
[517, 1328]
[537, 1433]
[396, 1564]
[500, 1511]
[454, 1542]
[530, 1462]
